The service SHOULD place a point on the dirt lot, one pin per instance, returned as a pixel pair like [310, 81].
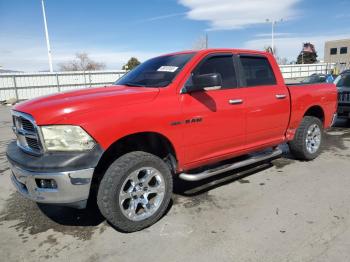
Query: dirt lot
[286, 211]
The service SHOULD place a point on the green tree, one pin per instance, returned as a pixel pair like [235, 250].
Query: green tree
[308, 54]
[131, 64]
[307, 58]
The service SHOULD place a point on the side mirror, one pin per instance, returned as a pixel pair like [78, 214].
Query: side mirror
[210, 81]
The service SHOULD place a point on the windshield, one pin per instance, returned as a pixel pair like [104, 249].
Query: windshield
[342, 80]
[156, 72]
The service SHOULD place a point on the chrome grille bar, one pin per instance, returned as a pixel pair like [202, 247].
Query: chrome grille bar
[27, 133]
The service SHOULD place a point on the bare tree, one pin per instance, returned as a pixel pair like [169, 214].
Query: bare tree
[82, 62]
[269, 50]
[282, 60]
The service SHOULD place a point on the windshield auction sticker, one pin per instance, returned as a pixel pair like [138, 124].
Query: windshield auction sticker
[171, 69]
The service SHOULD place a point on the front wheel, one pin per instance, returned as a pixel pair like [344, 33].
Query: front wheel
[308, 139]
[135, 191]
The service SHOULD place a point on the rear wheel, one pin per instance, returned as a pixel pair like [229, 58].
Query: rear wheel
[308, 139]
[135, 191]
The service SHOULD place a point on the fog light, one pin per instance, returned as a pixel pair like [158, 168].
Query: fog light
[46, 183]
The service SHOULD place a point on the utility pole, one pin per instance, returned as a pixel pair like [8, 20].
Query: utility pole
[206, 40]
[47, 37]
[273, 23]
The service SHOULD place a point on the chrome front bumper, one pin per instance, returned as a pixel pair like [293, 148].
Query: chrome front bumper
[73, 187]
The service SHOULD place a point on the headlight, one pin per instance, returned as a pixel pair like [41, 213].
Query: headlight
[66, 138]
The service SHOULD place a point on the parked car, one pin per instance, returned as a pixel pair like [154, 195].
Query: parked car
[315, 78]
[176, 115]
[318, 78]
[343, 85]
[346, 71]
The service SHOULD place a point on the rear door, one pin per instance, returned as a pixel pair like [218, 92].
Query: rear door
[267, 102]
[215, 119]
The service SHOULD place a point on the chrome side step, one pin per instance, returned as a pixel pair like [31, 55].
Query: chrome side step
[218, 170]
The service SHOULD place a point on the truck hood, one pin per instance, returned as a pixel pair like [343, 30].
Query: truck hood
[56, 108]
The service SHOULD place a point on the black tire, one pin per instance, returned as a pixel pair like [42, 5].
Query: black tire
[298, 145]
[111, 186]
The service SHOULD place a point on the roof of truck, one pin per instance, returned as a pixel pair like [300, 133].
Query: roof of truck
[213, 50]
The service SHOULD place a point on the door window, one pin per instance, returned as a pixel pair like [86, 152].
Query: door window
[257, 71]
[223, 65]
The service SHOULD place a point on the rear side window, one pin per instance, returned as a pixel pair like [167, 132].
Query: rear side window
[257, 71]
[223, 65]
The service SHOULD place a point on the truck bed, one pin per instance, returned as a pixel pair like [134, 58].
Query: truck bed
[303, 96]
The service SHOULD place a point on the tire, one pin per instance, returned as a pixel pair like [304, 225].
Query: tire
[301, 146]
[125, 195]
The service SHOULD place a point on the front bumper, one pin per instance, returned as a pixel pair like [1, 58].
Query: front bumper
[73, 187]
[72, 173]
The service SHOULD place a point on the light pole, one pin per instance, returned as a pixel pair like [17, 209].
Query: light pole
[47, 37]
[206, 40]
[273, 23]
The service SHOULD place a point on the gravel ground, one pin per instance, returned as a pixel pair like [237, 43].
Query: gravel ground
[283, 211]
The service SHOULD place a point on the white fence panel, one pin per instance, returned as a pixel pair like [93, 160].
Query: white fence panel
[30, 85]
[302, 71]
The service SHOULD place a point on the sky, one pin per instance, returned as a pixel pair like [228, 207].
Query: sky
[112, 31]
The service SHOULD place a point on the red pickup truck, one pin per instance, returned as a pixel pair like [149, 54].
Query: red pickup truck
[180, 114]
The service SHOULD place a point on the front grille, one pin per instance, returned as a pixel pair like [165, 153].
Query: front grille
[33, 143]
[344, 97]
[26, 132]
[27, 125]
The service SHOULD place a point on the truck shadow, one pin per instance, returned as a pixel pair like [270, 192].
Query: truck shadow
[90, 216]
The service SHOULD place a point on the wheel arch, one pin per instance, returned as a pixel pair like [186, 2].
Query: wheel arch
[150, 142]
[316, 111]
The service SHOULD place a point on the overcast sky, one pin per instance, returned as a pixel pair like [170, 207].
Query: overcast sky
[113, 31]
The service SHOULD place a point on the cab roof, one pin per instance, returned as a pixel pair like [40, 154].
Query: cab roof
[219, 50]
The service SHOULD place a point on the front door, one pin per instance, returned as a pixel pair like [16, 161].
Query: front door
[216, 118]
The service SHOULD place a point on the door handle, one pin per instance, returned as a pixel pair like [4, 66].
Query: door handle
[235, 101]
[281, 96]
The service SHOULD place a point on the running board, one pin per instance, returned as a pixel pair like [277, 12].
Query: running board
[228, 167]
